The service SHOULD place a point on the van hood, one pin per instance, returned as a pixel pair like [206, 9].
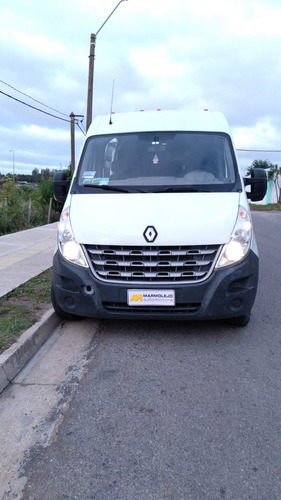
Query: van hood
[177, 218]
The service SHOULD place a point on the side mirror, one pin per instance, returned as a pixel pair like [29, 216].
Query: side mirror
[258, 183]
[61, 186]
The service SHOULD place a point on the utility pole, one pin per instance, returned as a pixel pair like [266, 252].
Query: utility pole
[72, 141]
[91, 80]
[91, 70]
[13, 151]
[72, 138]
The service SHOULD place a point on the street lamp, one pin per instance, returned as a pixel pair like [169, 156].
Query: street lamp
[91, 69]
[13, 151]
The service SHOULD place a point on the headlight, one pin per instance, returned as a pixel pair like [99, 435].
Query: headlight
[69, 248]
[238, 246]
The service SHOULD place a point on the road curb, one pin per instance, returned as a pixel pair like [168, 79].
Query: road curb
[15, 357]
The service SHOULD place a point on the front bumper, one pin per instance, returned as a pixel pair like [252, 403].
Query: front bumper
[227, 293]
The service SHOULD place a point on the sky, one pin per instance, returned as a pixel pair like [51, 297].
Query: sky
[171, 54]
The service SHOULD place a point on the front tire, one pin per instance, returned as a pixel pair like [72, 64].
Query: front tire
[62, 314]
[239, 320]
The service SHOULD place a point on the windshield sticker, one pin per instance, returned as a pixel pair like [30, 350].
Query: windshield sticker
[89, 175]
[104, 181]
[90, 179]
[99, 181]
[155, 160]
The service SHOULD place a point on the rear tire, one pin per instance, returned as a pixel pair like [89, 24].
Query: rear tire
[239, 320]
[62, 314]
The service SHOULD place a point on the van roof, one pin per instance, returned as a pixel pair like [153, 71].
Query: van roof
[146, 121]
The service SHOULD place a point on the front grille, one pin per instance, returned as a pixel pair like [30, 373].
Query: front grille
[182, 264]
[178, 308]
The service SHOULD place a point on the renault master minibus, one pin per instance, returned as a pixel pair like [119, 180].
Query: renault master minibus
[156, 222]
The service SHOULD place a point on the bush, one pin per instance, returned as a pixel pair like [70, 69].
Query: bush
[23, 207]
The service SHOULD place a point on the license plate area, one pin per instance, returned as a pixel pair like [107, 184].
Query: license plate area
[161, 298]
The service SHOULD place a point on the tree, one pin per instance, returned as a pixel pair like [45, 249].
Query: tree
[46, 174]
[12, 207]
[274, 174]
[46, 189]
[35, 175]
[259, 164]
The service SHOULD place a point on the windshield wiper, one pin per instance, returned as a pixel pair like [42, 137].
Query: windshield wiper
[106, 187]
[181, 189]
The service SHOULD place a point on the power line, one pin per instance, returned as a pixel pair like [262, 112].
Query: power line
[77, 123]
[39, 102]
[33, 107]
[260, 150]
[41, 110]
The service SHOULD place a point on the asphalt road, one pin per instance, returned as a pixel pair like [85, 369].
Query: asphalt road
[170, 410]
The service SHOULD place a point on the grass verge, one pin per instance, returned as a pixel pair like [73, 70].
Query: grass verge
[22, 307]
[269, 207]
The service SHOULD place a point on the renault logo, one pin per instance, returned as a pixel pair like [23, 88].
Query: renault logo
[150, 234]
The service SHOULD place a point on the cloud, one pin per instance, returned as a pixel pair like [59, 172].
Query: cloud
[39, 44]
[255, 20]
[155, 63]
[53, 134]
[263, 132]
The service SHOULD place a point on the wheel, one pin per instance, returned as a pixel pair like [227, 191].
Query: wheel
[239, 320]
[62, 314]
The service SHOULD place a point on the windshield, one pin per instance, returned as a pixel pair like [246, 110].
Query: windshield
[155, 161]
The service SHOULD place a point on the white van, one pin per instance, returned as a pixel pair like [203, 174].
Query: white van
[156, 222]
